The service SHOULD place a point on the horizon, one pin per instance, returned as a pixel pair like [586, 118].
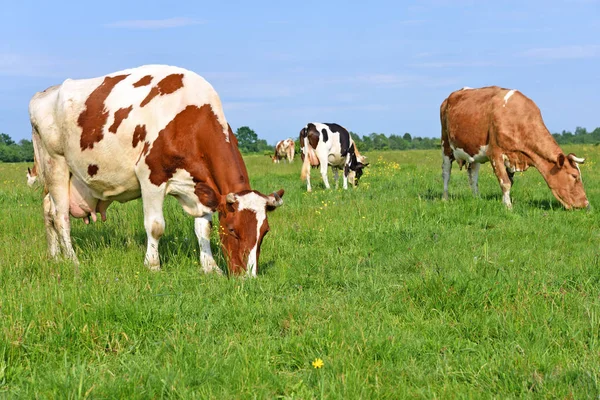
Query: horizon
[382, 68]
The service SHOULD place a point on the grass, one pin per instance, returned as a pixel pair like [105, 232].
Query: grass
[399, 293]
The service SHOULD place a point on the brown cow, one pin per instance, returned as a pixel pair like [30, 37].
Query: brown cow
[505, 127]
[147, 132]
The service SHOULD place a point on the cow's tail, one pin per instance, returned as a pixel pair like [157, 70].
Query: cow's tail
[38, 166]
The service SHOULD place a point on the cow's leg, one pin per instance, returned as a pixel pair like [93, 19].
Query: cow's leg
[308, 186]
[57, 181]
[51, 234]
[323, 168]
[446, 169]
[473, 171]
[202, 227]
[503, 179]
[335, 176]
[154, 222]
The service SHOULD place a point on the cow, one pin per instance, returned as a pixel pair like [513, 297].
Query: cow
[284, 149]
[505, 127]
[324, 144]
[32, 175]
[147, 132]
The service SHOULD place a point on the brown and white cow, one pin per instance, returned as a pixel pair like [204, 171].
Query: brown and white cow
[32, 175]
[324, 144]
[505, 127]
[147, 132]
[284, 149]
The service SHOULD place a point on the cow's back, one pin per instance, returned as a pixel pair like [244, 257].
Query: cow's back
[106, 126]
[504, 118]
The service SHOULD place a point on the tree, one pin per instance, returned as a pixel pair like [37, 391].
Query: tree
[407, 137]
[247, 140]
[6, 140]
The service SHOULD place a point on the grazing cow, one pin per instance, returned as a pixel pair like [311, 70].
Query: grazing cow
[505, 127]
[330, 144]
[147, 132]
[32, 175]
[284, 149]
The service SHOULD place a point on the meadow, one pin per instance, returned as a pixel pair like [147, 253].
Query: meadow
[399, 293]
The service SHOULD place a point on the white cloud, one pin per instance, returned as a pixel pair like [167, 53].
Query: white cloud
[563, 52]
[155, 23]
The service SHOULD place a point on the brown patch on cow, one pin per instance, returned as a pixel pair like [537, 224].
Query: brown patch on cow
[92, 169]
[139, 134]
[95, 115]
[120, 115]
[178, 146]
[145, 81]
[169, 84]
[144, 152]
[230, 218]
[313, 139]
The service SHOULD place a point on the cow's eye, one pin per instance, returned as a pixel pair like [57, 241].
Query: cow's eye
[232, 231]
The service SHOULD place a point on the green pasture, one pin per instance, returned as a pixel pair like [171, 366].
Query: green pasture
[399, 293]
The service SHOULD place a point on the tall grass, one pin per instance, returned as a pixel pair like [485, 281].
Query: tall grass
[399, 293]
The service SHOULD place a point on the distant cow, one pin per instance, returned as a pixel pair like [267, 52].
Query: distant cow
[147, 132]
[330, 144]
[505, 127]
[284, 149]
[32, 175]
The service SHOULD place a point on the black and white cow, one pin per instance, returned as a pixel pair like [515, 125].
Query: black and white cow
[323, 144]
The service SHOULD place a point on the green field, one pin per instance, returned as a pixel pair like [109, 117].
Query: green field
[399, 293]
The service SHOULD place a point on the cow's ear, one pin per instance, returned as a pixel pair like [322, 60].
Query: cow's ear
[28, 171]
[207, 196]
[561, 160]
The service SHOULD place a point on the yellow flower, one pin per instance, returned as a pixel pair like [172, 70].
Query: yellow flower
[318, 363]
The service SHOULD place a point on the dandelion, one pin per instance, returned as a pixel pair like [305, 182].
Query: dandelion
[318, 363]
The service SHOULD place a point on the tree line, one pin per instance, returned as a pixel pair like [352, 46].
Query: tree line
[15, 152]
[248, 142]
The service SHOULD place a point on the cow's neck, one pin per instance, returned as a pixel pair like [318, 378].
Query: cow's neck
[544, 155]
[229, 171]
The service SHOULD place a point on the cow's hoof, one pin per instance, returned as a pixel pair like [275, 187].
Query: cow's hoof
[154, 268]
[212, 269]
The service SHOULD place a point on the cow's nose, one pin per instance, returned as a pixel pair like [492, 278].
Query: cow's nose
[588, 206]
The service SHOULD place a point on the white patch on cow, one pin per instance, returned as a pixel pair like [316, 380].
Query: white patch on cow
[466, 88]
[480, 157]
[253, 202]
[507, 96]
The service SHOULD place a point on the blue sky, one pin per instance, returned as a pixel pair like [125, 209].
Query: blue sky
[378, 66]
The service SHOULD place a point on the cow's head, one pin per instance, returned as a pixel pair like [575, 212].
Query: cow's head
[243, 225]
[31, 176]
[355, 166]
[565, 182]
